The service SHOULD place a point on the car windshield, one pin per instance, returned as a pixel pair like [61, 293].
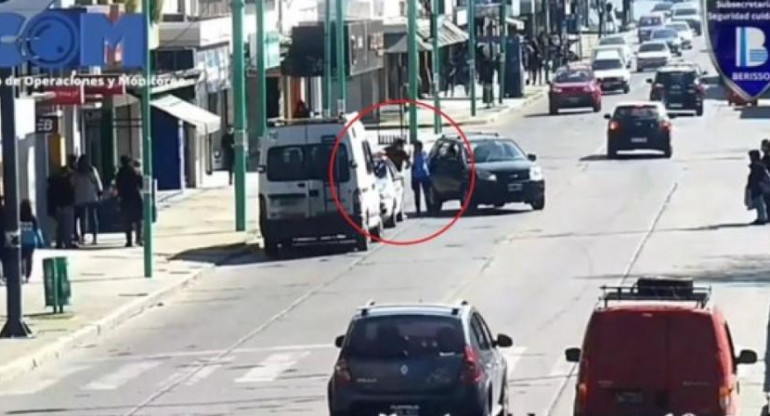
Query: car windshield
[682, 78]
[309, 162]
[650, 21]
[664, 34]
[606, 64]
[398, 337]
[679, 27]
[661, 7]
[612, 41]
[496, 151]
[572, 76]
[685, 12]
[652, 47]
[637, 112]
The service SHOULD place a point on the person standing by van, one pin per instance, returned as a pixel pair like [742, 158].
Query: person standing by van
[420, 176]
[397, 154]
[88, 192]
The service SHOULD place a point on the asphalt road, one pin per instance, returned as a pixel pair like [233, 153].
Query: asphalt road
[257, 337]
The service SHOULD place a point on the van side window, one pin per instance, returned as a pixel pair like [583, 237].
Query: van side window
[732, 348]
[369, 159]
[478, 333]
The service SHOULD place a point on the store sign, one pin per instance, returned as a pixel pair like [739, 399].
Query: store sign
[68, 95]
[63, 39]
[107, 86]
[47, 124]
[738, 34]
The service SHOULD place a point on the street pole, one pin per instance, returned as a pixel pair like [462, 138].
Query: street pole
[327, 82]
[342, 87]
[261, 80]
[472, 53]
[14, 325]
[413, 62]
[148, 183]
[436, 54]
[239, 104]
[503, 47]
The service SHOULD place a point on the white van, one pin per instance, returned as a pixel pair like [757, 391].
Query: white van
[295, 198]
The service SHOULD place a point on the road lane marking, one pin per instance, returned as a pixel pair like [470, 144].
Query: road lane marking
[561, 368]
[513, 356]
[272, 367]
[121, 376]
[206, 371]
[37, 386]
[179, 354]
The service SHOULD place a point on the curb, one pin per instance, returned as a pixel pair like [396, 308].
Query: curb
[61, 346]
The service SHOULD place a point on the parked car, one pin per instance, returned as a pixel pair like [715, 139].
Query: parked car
[390, 185]
[295, 199]
[658, 347]
[611, 72]
[419, 359]
[688, 12]
[647, 23]
[504, 173]
[671, 37]
[639, 125]
[685, 33]
[574, 87]
[652, 54]
[680, 88]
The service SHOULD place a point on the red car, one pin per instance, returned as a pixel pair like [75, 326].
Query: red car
[734, 99]
[574, 87]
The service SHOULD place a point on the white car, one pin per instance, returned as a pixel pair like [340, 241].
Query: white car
[652, 54]
[671, 37]
[611, 72]
[685, 33]
[619, 49]
[690, 13]
[619, 41]
[390, 184]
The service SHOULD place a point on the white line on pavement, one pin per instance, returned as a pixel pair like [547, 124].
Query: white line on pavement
[272, 367]
[206, 371]
[561, 368]
[177, 354]
[513, 356]
[121, 376]
[36, 386]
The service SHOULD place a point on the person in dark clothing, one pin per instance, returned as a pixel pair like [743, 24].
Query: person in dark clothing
[450, 77]
[757, 186]
[61, 205]
[535, 63]
[128, 183]
[228, 153]
[766, 162]
[397, 154]
[31, 237]
[3, 256]
[301, 110]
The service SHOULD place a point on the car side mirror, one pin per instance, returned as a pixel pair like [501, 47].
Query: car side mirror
[747, 357]
[339, 341]
[607, 117]
[572, 355]
[532, 157]
[503, 341]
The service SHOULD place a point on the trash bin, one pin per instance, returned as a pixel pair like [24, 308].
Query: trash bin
[56, 283]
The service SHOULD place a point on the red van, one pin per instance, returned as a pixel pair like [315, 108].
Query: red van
[657, 348]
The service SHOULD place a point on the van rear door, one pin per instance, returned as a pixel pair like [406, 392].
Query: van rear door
[287, 194]
[319, 188]
[626, 365]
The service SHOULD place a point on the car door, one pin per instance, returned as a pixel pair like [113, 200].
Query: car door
[286, 188]
[455, 169]
[439, 167]
[486, 354]
[498, 361]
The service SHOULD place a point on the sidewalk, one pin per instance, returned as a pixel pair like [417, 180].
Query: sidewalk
[194, 232]
[459, 110]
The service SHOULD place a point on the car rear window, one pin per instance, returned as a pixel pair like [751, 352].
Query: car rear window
[661, 7]
[573, 76]
[605, 64]
[682, 78]
[680, 27]
[496, 151]
[664, 34]
[650, 21]
[637, 112]
[652, 47]
[398, 337]
[685, 12]
[612, 41]
[307, 162]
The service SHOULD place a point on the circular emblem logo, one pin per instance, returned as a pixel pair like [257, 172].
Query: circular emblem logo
[50, 40]
[404, 369]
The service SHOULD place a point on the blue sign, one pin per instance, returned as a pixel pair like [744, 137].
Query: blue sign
[738, 34]
[62, 40]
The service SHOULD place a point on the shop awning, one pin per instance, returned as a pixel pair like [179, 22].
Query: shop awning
[449, 34]
[203, 120]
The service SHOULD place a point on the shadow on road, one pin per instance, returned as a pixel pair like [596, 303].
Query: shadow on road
[622, 156]
[761, 112]
[479, 212]
[562, 113]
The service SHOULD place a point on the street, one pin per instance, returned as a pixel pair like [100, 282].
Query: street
[256, 337]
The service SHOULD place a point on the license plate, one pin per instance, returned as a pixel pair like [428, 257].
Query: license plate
[675, 105]
[629, 397]
[515, 187]
[404, 410]
[638, 140]
[573, 99]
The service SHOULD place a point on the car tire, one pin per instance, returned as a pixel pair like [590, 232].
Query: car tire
[472, 205]
[270, 247]
[639, 69]
[538, 204]
[390, 222]
[432, 201]
[699, 111]
[597, 107]
[626, 89]
[668, 151]
[553, 110]
[377, 232]
[362, 241]
[612, 152]
[400, 216]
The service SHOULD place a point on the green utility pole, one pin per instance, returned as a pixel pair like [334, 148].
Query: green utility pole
[342, 87]
[261, 79]
[239, 102]
[148, 182]
[436, 67]
[413, 62]
[503, 47]
[472, 53]
[327, 82]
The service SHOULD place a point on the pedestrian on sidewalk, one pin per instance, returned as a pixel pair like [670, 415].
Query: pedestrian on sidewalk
[397, 154]
[301, 110]
[535, 62]
[31, 237]
[61, 204]
[757, 186]
[228, 153]
[3, 253]
[128, 183]
[450, 81]
[765, 146]
[420, 177]
[88, 193]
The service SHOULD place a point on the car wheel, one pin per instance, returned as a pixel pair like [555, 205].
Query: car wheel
[472, 205]
[626, 89]
[377, 232]
[400, 216]
[504, 405]
[668, 151]
[553, 110]
[597, 107]
[270, 247]
[538, 204]
[612, 152]
[699, 111]
[390, 222]
[433, 202]
[362, 241]
[639, 69]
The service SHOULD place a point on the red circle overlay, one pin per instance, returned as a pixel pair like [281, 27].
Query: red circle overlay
[342, 209]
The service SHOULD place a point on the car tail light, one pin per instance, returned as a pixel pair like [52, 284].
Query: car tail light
[614, 125]
[725, 398]
[581, 398]
[556, 89]
[666, 126]
[658, 86]
[342, 372]
[357, 202]
[472, 373]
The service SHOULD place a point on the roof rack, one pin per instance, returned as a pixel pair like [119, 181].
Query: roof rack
[460, 304]
[657, 289]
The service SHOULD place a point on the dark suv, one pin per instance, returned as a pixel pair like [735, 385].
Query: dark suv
[680, 88]
[419, 360]
[639, 125]
[504, 173]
